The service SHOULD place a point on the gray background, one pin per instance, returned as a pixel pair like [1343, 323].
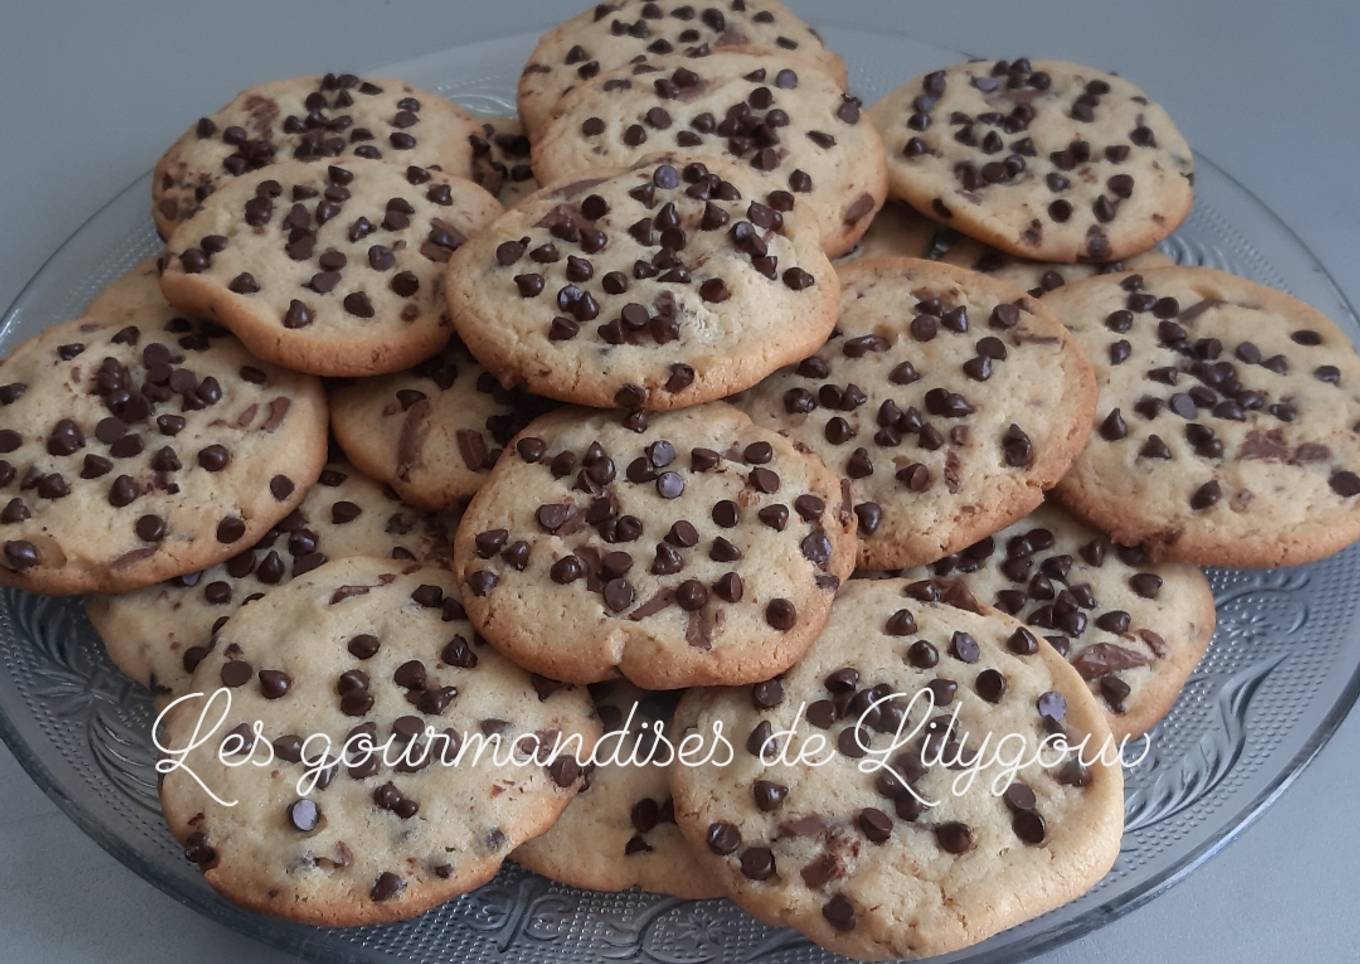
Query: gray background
[92, 92]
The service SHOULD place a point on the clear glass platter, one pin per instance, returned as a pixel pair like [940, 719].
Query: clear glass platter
[1281, 674]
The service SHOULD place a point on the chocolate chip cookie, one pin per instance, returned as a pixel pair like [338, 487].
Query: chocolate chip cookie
[145, 446]
[1228, 427]
[817, 152]
[899, 231]
[434, 431]
[613, 34]
[874, 851]
[1046, 160]
[658, 286]
[620, 830]
[686, 548]
[312, 118]
[406, 807]
[157, 635]
[950, 401]
[501, 160]
[1133, 629]
[333, 269]
[1036, 277]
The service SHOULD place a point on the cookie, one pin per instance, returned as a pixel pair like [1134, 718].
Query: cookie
[1037, 277]
[896, 231]
[794, 125]
[136, 293]
[501, 161]
[872, 851]
[1228, 427]
[950, 401]
[900, 232]
[143, 447]
[157, 635]
[329, 269]
[620, 830]
[1133, 629]
[432, 432]
[312, 118]
[1046, 160]
[658, 286]
[376, 658]
[622, 32]
[689, 548]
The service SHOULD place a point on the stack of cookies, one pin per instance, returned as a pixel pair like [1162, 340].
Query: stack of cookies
[428, 430]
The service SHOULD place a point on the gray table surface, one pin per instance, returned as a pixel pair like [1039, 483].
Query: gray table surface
[93, 91]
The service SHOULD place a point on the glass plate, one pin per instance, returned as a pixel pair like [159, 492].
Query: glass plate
[1281, 674]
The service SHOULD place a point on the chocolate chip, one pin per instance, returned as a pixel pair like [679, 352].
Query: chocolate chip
[963, 646]
[1206, 495]
[363, 646]
[781, 614]
[842, 680]
[298, 315]
[1022, 642]
[1016, 447]
[1113, 428]
[1344, 483]
[722, 838]
[230, 529]
[990, 685]
[874, 824]
[1052, 706]
[388, 884]
[21, 554]
[304, 815]
[281, 487]
[757, 863]
[235, 673]
[618, 594]
[769, 796]
[954, 837]
[922, 654]
[729, 587]
[774, 516]
[670, 485]
[274, 683]
[1029, 827]
[767, 695]
[149, 528]
[839, 913]
[868, 516]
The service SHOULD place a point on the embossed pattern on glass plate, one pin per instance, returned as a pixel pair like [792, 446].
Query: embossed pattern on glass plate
[1281, 672]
